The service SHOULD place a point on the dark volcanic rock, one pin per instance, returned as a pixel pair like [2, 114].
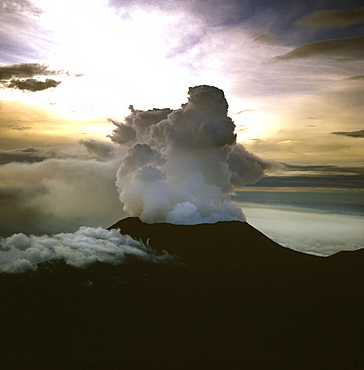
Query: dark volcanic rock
[231, 298]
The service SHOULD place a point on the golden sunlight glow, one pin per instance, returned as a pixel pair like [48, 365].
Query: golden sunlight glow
[251, 125]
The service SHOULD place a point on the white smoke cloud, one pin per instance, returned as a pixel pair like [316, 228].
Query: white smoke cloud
[20, 253]
[177, 166]
[181, 165]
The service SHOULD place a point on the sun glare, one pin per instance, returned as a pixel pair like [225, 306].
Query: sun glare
[251, 125]
[122, 58]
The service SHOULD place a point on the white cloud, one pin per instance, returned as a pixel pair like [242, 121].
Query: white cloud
[19, 253]
[182, 164]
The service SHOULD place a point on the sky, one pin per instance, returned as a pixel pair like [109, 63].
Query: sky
[291, 71]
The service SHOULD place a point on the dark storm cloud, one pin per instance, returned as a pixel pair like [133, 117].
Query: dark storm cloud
[348, 46]
[356, 134]
[31, 84]
[333, 18]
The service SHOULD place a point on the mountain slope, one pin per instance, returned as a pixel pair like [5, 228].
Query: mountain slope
[230, 298]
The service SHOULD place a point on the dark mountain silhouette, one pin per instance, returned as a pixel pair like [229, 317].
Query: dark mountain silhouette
[231, 298]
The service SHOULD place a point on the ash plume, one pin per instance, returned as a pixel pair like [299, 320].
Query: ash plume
[182, 164]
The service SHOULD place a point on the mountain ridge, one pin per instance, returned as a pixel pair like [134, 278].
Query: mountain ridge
[230, 297]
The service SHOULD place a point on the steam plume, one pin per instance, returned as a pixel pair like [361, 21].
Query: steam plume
[181, 165]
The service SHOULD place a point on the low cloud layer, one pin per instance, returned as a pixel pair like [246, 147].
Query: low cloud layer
[315, 176]
[310, 230]
[20, 253]
[182, 164]
[55, 189]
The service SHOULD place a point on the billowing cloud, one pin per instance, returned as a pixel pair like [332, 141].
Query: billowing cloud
[344, 47]
[181, 164]
[356, 134]
[248, 168]
[19, 253]
[136, 124]
[333, 18]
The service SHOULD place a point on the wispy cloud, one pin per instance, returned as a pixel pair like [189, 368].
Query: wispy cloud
[344, 47]
[356, 134]
[315, 176]
[333, 18]
[15, 127]
[19, 31]
[355, 78]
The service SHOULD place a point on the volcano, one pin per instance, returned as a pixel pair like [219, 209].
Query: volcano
[228, 297]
